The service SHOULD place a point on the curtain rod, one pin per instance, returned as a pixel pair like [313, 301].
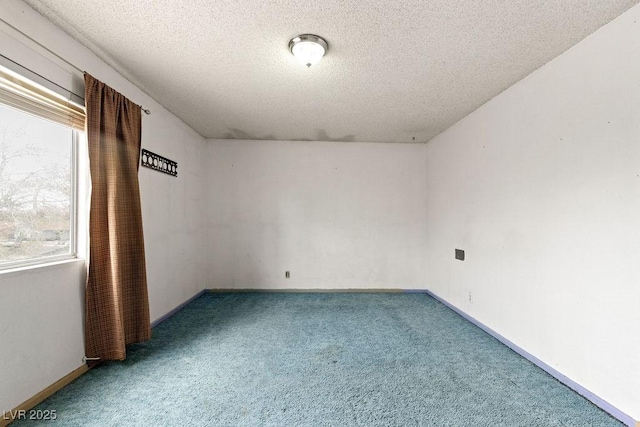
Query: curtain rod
[146, 111]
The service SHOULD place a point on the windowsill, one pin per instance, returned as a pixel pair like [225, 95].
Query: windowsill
[39, 268]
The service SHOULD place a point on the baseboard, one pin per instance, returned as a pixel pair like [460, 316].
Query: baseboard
[307, 291]
[177, 309]
[596, 400]
[22, 410]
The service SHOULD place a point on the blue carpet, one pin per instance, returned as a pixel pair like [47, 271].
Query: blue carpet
[269, 359]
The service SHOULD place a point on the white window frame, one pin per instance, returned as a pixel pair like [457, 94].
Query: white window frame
[75, 171]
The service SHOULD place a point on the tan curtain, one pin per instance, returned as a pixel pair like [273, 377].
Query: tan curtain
[117, 304]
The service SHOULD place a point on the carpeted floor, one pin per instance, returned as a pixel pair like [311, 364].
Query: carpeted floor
[283, 359]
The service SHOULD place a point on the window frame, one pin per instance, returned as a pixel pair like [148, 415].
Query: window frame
[76, 136]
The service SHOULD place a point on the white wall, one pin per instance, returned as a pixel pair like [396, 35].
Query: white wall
[541, 187]
[41, 320]
[337, 215]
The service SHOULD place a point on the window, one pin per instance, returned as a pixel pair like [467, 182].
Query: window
[39, 136]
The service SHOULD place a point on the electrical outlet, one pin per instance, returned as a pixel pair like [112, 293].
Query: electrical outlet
[470, 298]
[460, 254]
[287, 275]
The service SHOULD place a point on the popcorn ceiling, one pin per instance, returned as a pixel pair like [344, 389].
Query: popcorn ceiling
[395, 71]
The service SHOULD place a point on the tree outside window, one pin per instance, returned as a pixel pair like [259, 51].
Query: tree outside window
[36, 187]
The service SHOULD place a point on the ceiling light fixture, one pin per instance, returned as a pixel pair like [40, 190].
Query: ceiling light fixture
[308, 48]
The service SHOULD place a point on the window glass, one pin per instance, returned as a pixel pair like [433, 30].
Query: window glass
[37, 170]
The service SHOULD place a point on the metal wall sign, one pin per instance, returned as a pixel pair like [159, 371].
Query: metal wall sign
[156, 162]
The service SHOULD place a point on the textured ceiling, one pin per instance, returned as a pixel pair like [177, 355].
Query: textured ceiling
[395, 71]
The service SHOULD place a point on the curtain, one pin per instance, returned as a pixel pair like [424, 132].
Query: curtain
[117, 303]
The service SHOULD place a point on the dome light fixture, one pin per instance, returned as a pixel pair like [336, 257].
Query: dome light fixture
[308, 48]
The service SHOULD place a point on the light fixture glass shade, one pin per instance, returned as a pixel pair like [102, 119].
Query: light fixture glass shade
[308, 48]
